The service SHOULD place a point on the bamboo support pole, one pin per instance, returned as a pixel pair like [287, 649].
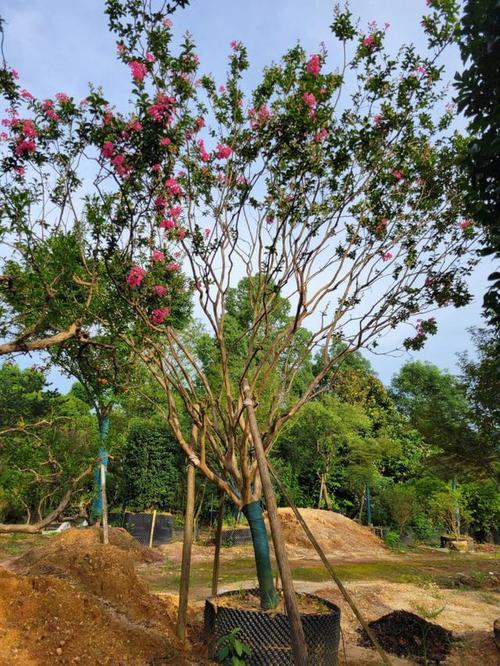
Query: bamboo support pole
[330, 569]
[186, 553]
[152, 530]
[218, 543]
[299, 647]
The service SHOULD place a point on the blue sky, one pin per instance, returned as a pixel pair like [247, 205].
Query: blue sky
[61, 45]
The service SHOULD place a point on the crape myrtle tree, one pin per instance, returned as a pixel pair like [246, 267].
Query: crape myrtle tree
[333, 184]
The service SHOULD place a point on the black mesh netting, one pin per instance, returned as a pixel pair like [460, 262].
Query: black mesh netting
[268, 634]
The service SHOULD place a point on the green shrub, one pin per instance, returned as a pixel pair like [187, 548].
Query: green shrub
[392, 539]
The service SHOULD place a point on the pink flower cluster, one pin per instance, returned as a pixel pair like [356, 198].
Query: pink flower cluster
[159, 315]
[309, 99]
[159, 290]
[161, 110]
[260, 116]
[369, 41]
[465, 224]
[157, 255]
[48, 107]
[321, 135]
[223, 152]
[314, 65]
[203, 152]
[173, 188]
[135, 276]
[386, 256]
[138, 70]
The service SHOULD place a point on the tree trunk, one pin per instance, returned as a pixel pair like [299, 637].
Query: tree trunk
[186, 553]
[268, 594]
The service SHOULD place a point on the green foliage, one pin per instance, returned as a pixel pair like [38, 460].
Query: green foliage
[478, 98]
[402, 504]
[152, 468]
[392, 539]
[231, 650]
[46, 440]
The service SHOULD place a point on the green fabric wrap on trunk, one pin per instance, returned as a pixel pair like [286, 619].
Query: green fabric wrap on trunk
[268, 594]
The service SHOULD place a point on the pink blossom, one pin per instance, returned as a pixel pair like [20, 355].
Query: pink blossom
[159, 290]
[136, 276]
[157, 255]
[20, 171]
[386, 256]
[150, 57]
[108, 117]
[121, 168]
[241, 180]
[397, 174]
[25, 146]
[160, 202]
[223, 152]
[165, 141]
[167, 23]
[15, 73]
[173, 188]
[156, 167]
[25, 94]
[260, 116]
[222, 89]
[107, 149]
[159, 315]
[422, 70]
[120, 47]
[235, 44]
[135, 125]
[28, 129]
[387, 25]
[381, 225]
[62, 98]
[181, 233]
[200, 123]
[175, 211]
[203, 152]
[321, 135]
[174, 266]
[369, 41]
[378, 118]
[138, 69]
[309, 99]
[314, 65]
[207, 232]
[167, 223]
[465, 224]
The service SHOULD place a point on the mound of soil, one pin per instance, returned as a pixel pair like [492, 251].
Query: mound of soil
[335, 533]
[408, 635]
[73, 600]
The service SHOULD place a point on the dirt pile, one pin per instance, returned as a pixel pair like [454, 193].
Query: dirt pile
[336, 534]
[74, 601]
[408, 635]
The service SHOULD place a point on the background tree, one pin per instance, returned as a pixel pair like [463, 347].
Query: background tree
[479, 99]
[45, 455]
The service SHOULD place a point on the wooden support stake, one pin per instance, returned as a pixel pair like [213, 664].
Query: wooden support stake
[105, 528]
[186, 553]
[152, 530]
[218, 542]
[299, 647]
[330, 569]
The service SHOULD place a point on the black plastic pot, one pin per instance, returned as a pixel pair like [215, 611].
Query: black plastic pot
[139, 526]
[268, 634]
[236, 536]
